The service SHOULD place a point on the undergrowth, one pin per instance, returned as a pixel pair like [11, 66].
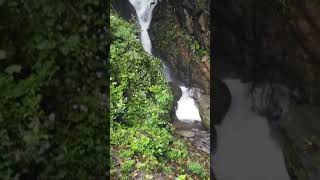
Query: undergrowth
[141, 135]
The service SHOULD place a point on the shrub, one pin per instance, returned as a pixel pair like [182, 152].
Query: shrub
[196, 168]
[51, 85]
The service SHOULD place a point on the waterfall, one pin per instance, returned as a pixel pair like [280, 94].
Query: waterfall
[186, 110]
[144, 10]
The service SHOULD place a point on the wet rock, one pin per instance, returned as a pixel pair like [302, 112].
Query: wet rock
[283, 51]
[187, 134]
[221, 101]
[194, 93]
[203, 145]
[301, 126]
[270, 100]
[177, 93]
[187, 65]
[203, 134]
[203, 104]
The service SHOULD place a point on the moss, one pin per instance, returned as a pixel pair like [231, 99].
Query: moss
[175, 38]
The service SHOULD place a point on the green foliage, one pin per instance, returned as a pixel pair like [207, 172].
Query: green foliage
[178, 151]
[196, 168]
[195, 47]
[140, 104]
[176, 37]
[51, 109]
[138, 89]
[181, 177]
[127, 166]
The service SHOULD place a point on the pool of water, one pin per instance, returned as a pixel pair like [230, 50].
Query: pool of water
[246, 150]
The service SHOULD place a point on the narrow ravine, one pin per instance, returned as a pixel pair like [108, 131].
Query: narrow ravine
[186, 110]
[187, 113]
[246, 150]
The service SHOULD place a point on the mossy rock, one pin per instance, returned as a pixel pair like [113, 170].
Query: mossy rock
[176, 91]
[221, 100]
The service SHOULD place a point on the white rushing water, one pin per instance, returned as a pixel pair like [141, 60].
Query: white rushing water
[144, 10]
[245, 150]
[186, 110]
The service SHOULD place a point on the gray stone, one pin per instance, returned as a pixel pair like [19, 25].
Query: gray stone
[187, 134]
[203, 104]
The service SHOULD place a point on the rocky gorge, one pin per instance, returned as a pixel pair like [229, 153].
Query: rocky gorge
[275, 45]
[189, 109]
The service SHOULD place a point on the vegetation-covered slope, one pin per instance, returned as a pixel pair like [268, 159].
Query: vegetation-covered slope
[142, 143]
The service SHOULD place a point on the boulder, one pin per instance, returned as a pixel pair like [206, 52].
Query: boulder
[270, 100]
[176, 91]
[203, 103]
[221, 100]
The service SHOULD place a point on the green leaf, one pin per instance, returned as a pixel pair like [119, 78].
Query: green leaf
[13, 69]
[3, 54]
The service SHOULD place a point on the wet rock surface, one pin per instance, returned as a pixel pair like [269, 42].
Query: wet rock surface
[203, 103]
[269, 40]
[195, 133]
[302, 127]
[177, 93]
[174, 45]
[270, 100]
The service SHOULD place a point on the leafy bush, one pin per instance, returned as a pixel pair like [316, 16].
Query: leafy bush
[52, 113]
[178, 151]
[196, 168]
[181, 177]
[127, 166]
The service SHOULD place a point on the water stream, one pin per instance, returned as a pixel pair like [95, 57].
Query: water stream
[246, 150]
[186, 110]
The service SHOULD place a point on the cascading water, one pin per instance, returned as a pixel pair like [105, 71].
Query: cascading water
[144, 10]
[186, 110]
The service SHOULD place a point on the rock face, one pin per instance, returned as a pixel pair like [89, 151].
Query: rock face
[187, 57]
[302, 126]
[194, 132]
[176, 91]
[272, 42]
[194, 16]
[203, 104]
[270, 100]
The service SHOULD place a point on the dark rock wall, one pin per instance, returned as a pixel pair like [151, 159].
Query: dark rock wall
[172, 30]
[272, 43]
[194, 16]
[124, 8]
[277, 41]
